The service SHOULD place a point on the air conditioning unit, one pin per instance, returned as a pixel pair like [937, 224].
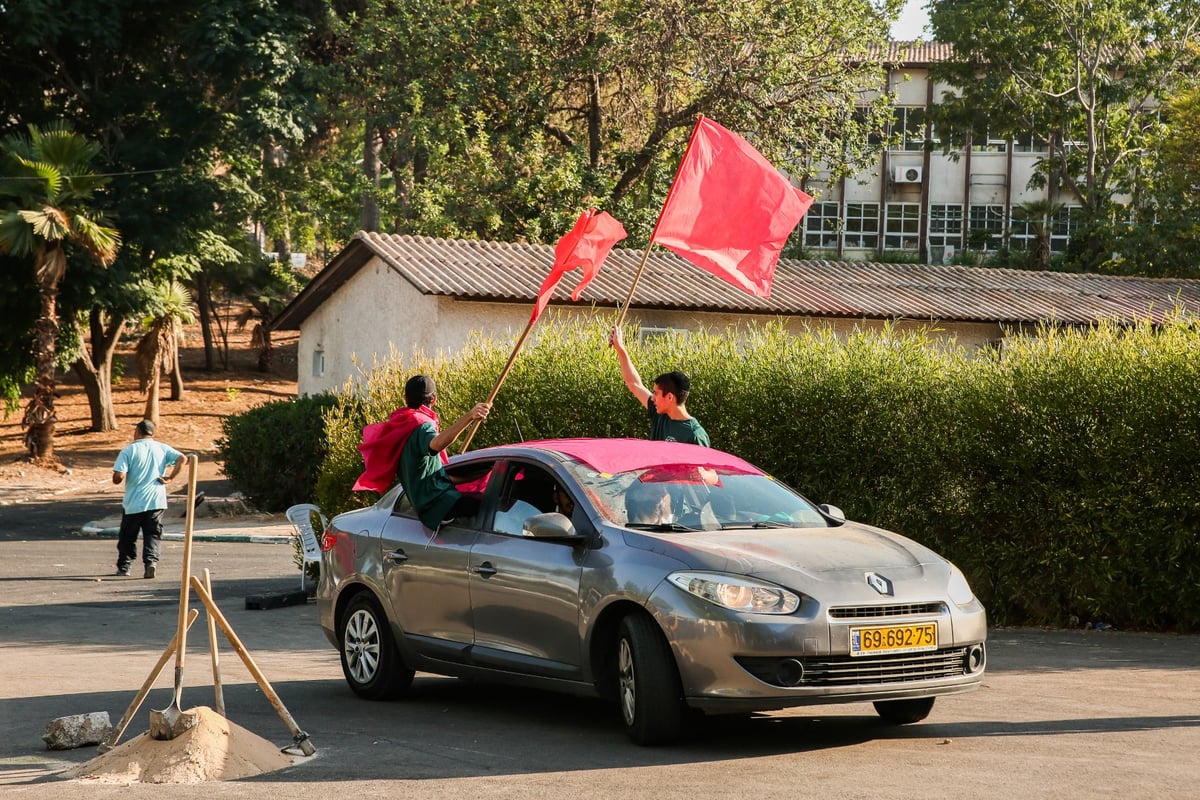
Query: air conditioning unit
[907, 174]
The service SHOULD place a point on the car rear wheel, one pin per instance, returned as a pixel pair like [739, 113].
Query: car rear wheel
[904, 712]
[648, 689]
[370, 660]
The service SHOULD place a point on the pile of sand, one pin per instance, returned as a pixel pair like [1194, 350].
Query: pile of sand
[215, 749]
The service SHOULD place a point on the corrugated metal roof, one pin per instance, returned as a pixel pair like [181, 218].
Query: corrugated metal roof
[508, 272]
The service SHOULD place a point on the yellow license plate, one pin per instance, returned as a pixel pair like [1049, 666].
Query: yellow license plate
[893, 639]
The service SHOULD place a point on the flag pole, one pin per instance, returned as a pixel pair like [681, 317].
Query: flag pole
[657, 222]
[500, 380]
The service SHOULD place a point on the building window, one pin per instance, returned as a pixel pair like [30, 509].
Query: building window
[1062, 225]
[862, 225]
[985, 227]
[820, 226]
[986, 142]
[945, 232]
[318, 362]
[1030, 143]
[902, 228]
[1023, 233]
[908, 128]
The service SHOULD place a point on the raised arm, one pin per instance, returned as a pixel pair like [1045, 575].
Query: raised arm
[629, 373]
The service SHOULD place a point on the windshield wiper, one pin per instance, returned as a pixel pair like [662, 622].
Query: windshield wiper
[660, 527]
[764, 523]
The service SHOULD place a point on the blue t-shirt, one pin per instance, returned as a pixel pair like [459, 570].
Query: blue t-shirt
[144, 461]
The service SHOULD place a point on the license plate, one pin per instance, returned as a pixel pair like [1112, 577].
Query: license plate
[893, 639]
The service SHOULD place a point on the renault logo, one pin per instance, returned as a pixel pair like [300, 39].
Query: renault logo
[879, 584]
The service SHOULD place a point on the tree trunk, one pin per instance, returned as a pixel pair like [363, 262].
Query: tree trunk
[370, 208]
[39, 416]
[265, 351]
[94, 368]
[177, 389]
[151, 410]
[204, 305]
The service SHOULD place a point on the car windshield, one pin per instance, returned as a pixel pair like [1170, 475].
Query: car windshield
[682, 498]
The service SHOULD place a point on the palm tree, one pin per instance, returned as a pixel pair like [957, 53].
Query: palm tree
[158, 349]
[45, 197]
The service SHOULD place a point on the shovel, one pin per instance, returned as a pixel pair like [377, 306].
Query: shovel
[172, 721]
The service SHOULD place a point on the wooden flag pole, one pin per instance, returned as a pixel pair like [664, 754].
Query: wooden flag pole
[500, 380]
[657, 222]
[636, 278]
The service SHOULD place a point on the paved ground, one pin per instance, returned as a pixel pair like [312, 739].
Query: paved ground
[1062, 714]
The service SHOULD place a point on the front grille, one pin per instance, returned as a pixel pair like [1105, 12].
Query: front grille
[835, 671]
[899, 610]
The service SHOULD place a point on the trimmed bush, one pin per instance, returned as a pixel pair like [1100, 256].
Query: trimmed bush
[272, 452]
[1060, 472]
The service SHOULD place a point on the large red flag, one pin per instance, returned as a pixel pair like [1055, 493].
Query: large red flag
[586, 246]
[729, 211]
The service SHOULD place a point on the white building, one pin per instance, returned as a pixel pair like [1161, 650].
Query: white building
[393, 293]
[926, 204]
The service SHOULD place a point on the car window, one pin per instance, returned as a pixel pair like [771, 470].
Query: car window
[470, 478]
[688, 497]
[529, 490]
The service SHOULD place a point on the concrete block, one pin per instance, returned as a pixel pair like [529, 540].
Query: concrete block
[77, 730]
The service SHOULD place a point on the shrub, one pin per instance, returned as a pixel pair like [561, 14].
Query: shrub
[272, 452]
[1061, 472]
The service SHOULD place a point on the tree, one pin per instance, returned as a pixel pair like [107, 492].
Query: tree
[52, 189]
[158, 349]
[182, 98]
[1083, 75]
[502, 118]
[1163, 226]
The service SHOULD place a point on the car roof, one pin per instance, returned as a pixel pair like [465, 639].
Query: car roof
[624, 455]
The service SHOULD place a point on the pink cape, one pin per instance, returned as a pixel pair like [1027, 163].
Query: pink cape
[382, 443]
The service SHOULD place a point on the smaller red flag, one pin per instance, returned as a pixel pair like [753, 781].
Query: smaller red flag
[729, 211]
[585, 246]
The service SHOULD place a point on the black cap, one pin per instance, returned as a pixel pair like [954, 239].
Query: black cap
[418, 390]
[145, 427]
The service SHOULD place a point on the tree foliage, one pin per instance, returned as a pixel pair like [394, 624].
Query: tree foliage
[498, 119]
[1084, 76]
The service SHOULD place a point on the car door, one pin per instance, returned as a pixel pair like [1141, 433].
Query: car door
[524, 591]
[426, 578]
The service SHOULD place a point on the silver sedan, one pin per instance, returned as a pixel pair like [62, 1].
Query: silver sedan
[663, 576]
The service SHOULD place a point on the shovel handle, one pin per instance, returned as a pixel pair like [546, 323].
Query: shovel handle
[185, 585]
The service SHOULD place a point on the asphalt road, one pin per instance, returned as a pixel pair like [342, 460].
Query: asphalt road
[1063, 714]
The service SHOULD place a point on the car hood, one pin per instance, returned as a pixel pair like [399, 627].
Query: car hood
[780, 555]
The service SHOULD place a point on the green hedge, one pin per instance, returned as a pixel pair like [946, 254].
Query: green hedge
[1061, 472]
[272, 452]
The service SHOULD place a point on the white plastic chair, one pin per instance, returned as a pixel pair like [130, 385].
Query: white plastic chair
[301, 517]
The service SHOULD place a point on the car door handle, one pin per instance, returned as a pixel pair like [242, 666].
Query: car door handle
[398, 555]
[485, 570]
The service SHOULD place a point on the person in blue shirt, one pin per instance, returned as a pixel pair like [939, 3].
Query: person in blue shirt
[142, 466]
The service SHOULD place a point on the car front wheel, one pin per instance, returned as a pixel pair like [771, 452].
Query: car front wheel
[370, 660]
[648, 688]
[904, 712]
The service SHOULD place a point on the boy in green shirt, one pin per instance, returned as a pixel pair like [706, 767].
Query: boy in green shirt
[669, 417]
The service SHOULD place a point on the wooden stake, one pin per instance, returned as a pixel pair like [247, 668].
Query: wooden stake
[299, 738]
[212, 648]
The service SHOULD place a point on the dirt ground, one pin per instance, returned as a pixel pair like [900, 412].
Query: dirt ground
[192, 424]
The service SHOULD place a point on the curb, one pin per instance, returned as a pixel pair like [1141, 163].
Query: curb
[94, 529]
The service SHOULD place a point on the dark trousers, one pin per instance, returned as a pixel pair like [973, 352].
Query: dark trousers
[150, 524]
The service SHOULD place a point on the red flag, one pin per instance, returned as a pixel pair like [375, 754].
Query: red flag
[729, 211]
[586, 246]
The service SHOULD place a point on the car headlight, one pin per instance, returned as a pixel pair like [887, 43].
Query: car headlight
[958, 588]
[737, 593]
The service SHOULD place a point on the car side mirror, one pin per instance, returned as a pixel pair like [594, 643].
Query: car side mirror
[550, 526]
[833, 512]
